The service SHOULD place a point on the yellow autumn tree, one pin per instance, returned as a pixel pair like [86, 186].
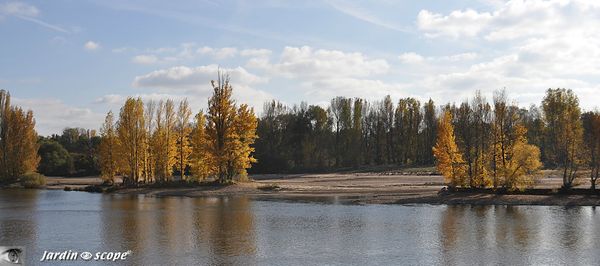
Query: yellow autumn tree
[201, 161]
[18, 141]
[230, 131]
[245, 134]
[165, 140]
[131, 135]
[108, 149]
[183, 130]
[449, 160]
[149, 156]
[522, 161]
[219, 128]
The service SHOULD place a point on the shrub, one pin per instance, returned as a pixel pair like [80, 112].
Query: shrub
[33, 180]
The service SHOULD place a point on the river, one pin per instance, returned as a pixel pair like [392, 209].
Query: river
[245, 231]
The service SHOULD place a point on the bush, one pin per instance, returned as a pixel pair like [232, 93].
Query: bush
[33, 180]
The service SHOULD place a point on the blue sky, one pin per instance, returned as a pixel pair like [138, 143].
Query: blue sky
[73, 61]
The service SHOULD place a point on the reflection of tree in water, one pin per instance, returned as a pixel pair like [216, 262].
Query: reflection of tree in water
[573, 225]
[18, 222]
[450, 231]
[515, 223]
[226, 227]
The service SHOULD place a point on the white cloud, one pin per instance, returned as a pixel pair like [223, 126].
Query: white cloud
[52, 115]
[190, 77]
[411, 58]
[256, 52]
[91, 46]
[458, 23]
[195, 83]
[145, 59]
[218, 53]
[306, 62]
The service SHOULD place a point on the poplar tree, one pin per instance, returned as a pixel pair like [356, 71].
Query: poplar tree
[244, 137]
[183, 130]
[131, 135]
[231, 132]
[201, 161]
[108, 149]
[563, 132]
[18, 141]
[591, 138]
[449, 160]
[220, 121]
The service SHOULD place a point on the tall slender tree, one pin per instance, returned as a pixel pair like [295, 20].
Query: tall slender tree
[220, 121]
[131, 135]
[108, 149]
[449, 159]
[183, 130]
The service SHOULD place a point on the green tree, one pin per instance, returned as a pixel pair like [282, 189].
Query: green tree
[563, 132]
[55, 160]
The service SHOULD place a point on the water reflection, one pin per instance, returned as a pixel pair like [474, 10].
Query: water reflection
[182, 230]
[242, 231]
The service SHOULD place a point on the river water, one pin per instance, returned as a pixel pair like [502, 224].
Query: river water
[243, 231]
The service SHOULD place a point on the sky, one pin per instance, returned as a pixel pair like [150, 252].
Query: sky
[73, 61]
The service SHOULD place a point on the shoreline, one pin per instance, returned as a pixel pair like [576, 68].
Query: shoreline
[358, 188]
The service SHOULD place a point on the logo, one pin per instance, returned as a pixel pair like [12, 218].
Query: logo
[86, 255]
[12, 255]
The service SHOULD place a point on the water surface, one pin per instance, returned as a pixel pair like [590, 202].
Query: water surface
[239, 230]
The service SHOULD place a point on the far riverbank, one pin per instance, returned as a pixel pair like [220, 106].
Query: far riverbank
[357, 188]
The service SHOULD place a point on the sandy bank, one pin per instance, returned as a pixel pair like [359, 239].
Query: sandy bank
[368, 188]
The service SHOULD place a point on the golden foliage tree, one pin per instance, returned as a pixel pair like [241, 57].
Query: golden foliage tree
[108, 149]
[220, 120]
[521, 162]
[201, 161]
[149, 156]
[183, 130]
[18, 141]
[230, 132]
[449, 160]
[131, 135]
[245, 134]
[165, 140]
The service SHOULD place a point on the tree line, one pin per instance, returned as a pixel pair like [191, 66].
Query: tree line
[156, 142]
[349, 133]
[495, 144]
[500, 145]
[72, 153]
[476, 143]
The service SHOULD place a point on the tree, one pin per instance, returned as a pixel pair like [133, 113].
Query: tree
[201, 161]
[563, 132]
[220, 120]
[591, 138]
[183, 130]
[131, 134]
[521, 162]
[245, 136]
[231, 132]
[55, 160]
[108, 149]
[429, 131]
[449, 159]
[18, 141]
[165, 141]
[149, 156]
